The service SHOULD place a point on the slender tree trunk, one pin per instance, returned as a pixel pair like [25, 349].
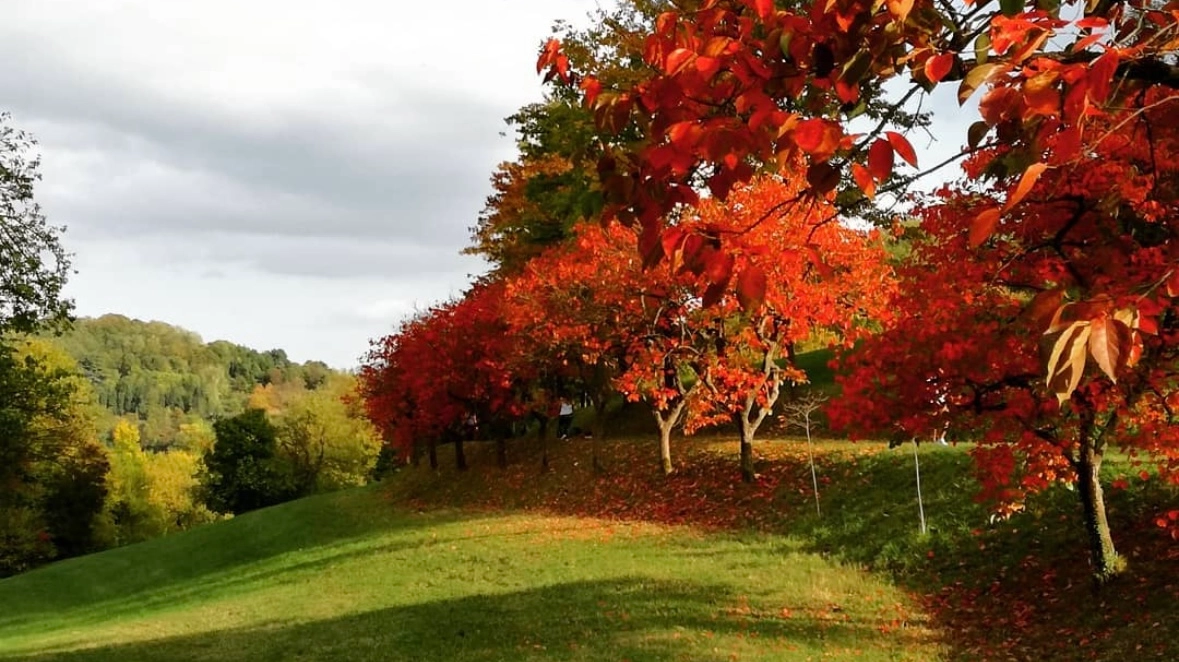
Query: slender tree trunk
[415, 455]
[1106, 562]
[433, 451]
[666, 421]
[544, 445]
[501, 451]
[665, 447]
[599, 432]
[460, 457]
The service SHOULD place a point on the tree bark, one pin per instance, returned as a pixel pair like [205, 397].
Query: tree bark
[433, 451]
[1105, 560]
[747, 473]
[460, 457]
[599, 432]
[665, 449]
[501, 451]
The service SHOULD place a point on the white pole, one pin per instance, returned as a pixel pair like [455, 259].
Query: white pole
[920, 502]
[814, 476]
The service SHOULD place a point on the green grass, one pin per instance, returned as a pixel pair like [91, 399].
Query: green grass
[523, 565]
[352, 576]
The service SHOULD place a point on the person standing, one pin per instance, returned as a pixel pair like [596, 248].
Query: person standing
[565, 418]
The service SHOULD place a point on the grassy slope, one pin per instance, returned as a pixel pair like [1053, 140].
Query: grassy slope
[519, 565]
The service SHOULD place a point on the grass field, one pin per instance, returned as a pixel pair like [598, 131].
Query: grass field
[519, 565]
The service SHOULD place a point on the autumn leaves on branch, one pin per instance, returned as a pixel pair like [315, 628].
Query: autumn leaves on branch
[1031, 303]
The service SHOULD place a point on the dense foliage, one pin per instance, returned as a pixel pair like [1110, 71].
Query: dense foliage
[738, 142]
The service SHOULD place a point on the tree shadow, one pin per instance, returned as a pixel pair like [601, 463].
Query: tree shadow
[1013, 588]
[631, 618]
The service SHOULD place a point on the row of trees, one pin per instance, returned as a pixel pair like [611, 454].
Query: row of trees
[731, 141]
[586, 316]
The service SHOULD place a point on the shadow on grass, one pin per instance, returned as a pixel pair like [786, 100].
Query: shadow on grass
[997, 589]
[627, 618]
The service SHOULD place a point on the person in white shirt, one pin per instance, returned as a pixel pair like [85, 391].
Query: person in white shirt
[565, 418]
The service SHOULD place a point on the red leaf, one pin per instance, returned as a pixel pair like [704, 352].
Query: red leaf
[938, 66]
[1101, 73]
[751, 287]
[818, 137]
[902, 147]
[880, 160]
[676, 60]
[707, 66]
[823, 177]
[1026, 182]
[983, 227]
[1043, 307]
[719, 268]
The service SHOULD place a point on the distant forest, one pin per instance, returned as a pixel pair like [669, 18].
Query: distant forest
[169, 379]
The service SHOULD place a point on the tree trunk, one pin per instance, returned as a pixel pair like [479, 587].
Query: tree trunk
[544, 451]
[1104, 558]
[665, 447]
[747, 472]
[501, 451]
[415, 455]
[599, 433]
[433, 451]
[460, 458]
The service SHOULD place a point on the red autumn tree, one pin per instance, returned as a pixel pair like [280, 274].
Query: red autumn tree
[612, 324]
[815, 275]
[1081, 277]
[738, 85]
[454, 364]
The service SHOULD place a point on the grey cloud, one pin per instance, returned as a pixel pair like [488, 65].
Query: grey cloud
[297, 174]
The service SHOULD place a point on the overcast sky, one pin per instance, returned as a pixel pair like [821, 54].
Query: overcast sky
[288, 174]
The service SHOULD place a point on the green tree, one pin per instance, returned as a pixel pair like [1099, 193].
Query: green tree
[33, 264]
[327, 439]
[52, 469]
[244, 472]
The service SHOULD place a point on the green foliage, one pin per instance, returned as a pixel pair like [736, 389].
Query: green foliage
[169, 380]
[244, 471]
[33, 264]
[326, 438]
[51, 468]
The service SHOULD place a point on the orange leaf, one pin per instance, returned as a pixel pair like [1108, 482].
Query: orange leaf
[880, 159]
[864, 180]
[938, 66]
[902, 147]
[983, 227]
[900, 9]
[764, 8]
[1026, 182]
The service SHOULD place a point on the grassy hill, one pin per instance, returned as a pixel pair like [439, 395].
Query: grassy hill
[519, 565]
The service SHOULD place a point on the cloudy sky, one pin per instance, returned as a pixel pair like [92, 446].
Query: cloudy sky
[279, 173]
